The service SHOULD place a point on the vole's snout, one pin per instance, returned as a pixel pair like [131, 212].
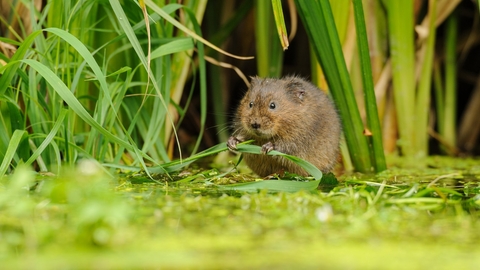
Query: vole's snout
[255, 125]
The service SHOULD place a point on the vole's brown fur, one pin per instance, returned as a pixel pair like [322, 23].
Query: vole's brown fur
[289, 115]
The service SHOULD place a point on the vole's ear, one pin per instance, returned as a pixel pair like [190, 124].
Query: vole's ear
[296, 89]
[254, 80]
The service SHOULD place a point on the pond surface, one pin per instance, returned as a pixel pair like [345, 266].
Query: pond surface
[407, 218]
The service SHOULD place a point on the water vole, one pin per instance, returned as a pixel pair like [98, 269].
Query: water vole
[289, 115]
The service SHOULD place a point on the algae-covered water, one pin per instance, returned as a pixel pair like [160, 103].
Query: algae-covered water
[398, 219]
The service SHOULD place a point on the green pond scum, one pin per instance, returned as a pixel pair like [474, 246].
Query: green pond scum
[85, 218]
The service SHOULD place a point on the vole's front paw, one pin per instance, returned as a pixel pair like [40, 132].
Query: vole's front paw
[269, 146]
[232, 143]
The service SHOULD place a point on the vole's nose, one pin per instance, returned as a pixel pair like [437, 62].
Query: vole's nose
[255, 125]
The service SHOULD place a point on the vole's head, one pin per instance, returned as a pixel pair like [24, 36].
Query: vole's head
[271, 107]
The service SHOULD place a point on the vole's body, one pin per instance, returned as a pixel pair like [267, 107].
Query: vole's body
[289, 115]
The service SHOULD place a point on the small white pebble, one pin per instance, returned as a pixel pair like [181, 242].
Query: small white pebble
[88, 167]
[324, 213]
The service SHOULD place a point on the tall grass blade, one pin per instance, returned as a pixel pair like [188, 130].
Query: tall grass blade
[449, 126]
[149, 38]
[12, 148]
[373, 122]
[62, 90]
[439, 95]
[280, 23]
[269, 50]
[8, 74]
[318, 20]
[401, 36]
[189, 32]
[164, 98]
[422, 106]
[174, 46]
[341, 13]
[49, 137]
[85, 53]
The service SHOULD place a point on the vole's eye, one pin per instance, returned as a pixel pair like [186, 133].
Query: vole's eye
[250, 104]
[272, 105]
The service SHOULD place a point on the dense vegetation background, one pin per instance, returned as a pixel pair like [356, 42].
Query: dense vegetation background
[109, 108]
[95, 106]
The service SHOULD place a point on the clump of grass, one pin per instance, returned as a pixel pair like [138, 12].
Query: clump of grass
[90, 92]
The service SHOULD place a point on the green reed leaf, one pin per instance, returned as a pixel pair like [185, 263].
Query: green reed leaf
[320, 25]
[11, 150]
